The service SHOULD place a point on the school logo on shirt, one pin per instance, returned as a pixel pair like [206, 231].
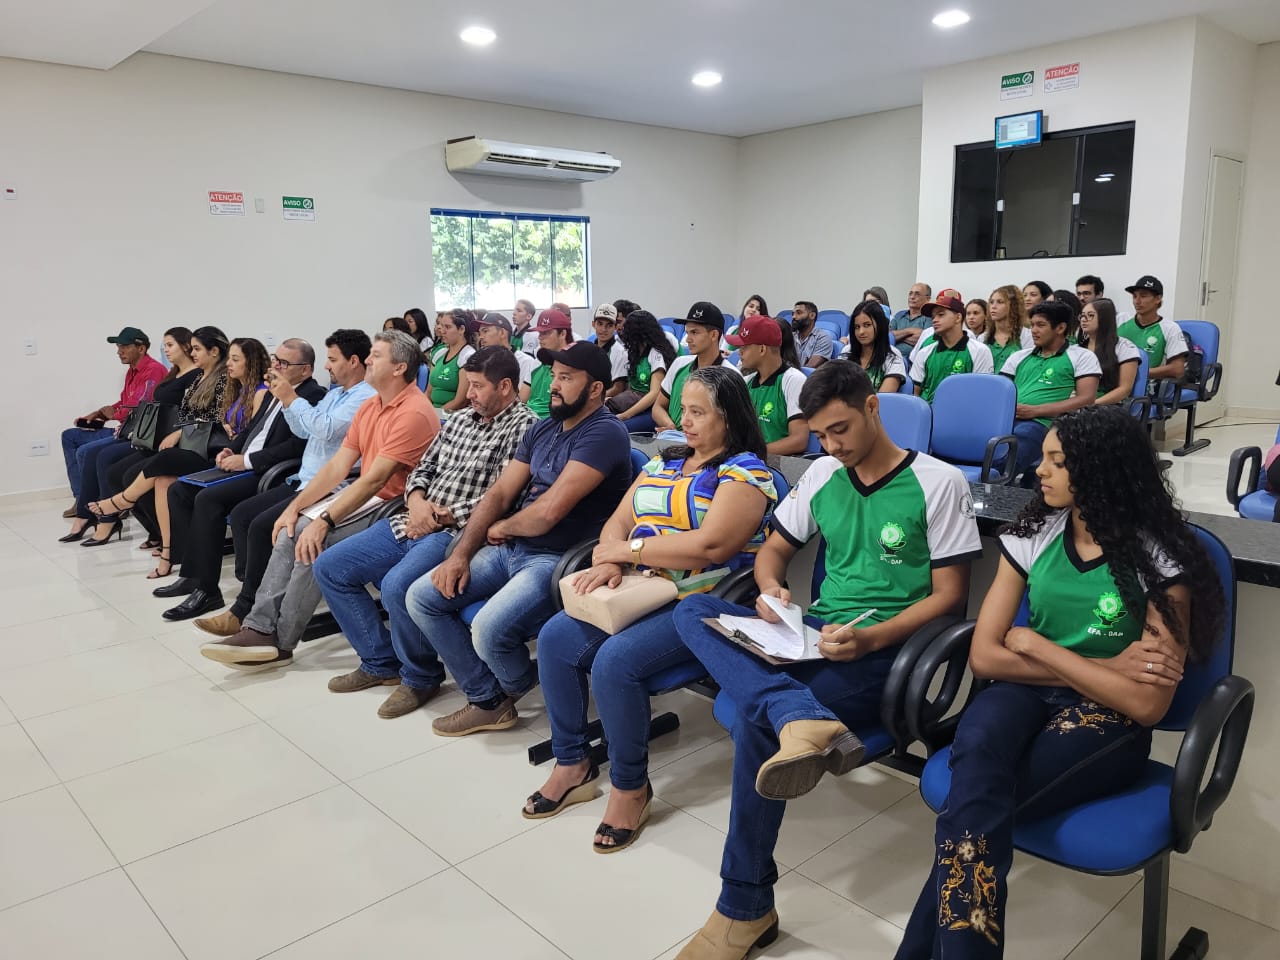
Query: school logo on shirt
[767, 410]
[892, 539]
[1047, 375]
[957, 365]
[1109, 611]
[1151, 340]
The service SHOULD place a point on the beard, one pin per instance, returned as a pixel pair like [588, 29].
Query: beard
[567, 410]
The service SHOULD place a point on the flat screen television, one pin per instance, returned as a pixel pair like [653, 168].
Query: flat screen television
[1019, 129]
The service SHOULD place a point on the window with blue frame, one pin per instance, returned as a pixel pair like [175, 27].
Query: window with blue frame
[487, 259]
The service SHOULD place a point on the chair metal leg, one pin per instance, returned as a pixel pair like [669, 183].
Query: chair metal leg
[1194, 945]
[662, 724]
[1189, 443]
[1155, 908]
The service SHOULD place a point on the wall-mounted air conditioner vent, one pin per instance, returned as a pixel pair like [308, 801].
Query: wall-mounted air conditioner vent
[501, 159]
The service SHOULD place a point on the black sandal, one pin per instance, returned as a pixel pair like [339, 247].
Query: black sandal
[149, 544]
[623, 838]
[157, 573]
[543, 808]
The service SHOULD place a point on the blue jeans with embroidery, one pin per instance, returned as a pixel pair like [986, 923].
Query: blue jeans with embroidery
[766, 699]
[74, 440]
[1021, 752]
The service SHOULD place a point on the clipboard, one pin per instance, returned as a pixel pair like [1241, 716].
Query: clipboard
[213, 477]
[744, 641]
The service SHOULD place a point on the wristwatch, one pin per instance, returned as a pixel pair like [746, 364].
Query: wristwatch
[636, 546]
[329, 520]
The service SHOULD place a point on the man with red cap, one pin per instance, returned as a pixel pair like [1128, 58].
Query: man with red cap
[555, 332]
[774, 385]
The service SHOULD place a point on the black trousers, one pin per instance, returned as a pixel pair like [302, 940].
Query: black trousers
[198, 521]
[251, 523]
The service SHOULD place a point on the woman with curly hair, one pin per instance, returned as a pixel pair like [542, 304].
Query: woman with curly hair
[1105, 557]
[1008, 327]
[649, 354]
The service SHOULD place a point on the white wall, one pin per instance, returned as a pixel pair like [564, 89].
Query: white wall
[1143, 75]
[1253, 358]
[826, 211]
[111, 224]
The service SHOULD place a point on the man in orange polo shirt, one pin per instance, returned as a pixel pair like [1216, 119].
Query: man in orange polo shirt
[388, 435]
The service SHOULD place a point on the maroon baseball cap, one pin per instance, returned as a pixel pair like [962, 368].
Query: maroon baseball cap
[948, 299]
[759, 331]
[553, 320]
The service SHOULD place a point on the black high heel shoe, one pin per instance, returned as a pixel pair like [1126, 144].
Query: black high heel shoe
[117, 530]
[75, 535]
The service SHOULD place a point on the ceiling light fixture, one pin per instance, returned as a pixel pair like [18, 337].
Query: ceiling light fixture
[1103, 178]
[478, 36]
[951, 18]
[706, 78]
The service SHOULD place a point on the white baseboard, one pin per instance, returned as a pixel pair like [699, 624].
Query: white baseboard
[1254, 413]
[34, 496]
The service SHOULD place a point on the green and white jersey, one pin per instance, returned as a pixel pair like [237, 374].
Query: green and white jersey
[777, 401]
[540, 391]
[673, 382]
[935, 361]
[883, 541]
[1074, 602]
[617, 359]
[1000, 354]
[1162, 340]
[639, 378]
[893, 366]
[1051, 379]
[527, 365]
[446, 375]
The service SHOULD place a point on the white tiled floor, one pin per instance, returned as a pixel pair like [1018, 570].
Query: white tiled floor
[156, 805]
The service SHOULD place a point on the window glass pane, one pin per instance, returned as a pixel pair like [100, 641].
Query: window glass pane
[570, 242]
[451, 255]
[1038, 185]
[491, 254]
[974, 205]
[533, 256]
[1104, 193]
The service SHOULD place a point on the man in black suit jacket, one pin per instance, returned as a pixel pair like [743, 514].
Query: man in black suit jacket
[198, 515]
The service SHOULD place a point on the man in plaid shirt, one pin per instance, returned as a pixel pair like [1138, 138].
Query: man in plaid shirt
[456, 470]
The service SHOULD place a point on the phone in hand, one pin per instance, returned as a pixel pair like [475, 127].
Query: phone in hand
[85, 423]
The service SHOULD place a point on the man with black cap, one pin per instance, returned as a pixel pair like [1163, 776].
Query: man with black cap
[567, 477]
[494, 330]
[1162, 339]
[704, 328]
[144, 373]
[555, 332]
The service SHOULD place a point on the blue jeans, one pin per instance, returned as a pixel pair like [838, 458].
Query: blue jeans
[619, 666]
[1021, 752]
[1030, 434]
[491, 657]
[94, 459]
[375, 556]
[73, 439]
[767, 698]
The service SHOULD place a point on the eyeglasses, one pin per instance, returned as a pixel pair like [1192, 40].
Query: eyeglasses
[278, 362]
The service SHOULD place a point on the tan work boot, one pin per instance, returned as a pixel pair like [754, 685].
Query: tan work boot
[405, 699]
[357, 679]
[723, 939]
[806, 750]
[473, 719]
[225, 624]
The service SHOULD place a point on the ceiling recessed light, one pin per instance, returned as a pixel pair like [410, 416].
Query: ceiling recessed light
[951, 18]
[706, 78]
[1103, 178]
[478, 36]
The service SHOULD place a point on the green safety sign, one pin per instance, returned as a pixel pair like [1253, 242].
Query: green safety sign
[299, 208]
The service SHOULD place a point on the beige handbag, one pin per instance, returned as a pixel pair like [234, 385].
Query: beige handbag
[615, 608]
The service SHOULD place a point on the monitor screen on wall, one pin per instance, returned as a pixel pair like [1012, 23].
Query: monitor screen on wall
[1019, 129]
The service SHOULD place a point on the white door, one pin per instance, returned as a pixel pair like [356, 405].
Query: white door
[1218, 264]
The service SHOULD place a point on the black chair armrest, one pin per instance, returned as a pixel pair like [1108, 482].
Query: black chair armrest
[577, 557]
[1140, 407]
[1245, 456]
[738, 587]
[1164, 395]
[1210, 381]
[926, 720]
[1005, 477]
[1220, 723]
[277, 473]
[387, 510]
[895, 686]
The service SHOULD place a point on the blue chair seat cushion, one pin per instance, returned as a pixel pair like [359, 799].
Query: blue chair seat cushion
[675, 677]
[875, 738]
[1259, 505]
[1114, 834]
[470, 611]
[972, 472]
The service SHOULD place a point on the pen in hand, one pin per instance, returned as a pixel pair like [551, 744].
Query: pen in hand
[852, 623]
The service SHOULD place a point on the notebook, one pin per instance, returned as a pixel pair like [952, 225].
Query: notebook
[208, 478]
[786, 642]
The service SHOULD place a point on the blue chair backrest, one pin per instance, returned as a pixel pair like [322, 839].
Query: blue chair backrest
[907, 419]
[424, 374]
[908, 387]
[814, 445]
[780, 485]
[807, 371]
[1199, 678]
[1140, 381]
[729, 320]
[837, 317]
[591, 338]
[638, 459]
[831, 328]
[669, 324]
[888, 311]
[1204, 335]
[968, 410]
[784, 315]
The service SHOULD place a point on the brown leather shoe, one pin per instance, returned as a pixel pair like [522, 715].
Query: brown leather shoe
[69, 513]
[806, 750]
[405, 699]
[246, 646]
[357, 679]
[473, 719]
[723, 939]
[225, 624]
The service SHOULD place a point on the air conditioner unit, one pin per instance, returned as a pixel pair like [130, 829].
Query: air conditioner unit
[498, 158]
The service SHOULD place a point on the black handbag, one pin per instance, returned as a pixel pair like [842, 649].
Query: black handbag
[153, 423]
[196, 436]
[125, 432]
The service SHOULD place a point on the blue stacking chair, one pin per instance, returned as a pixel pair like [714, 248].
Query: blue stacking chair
[837, 317]
[1140, 827]
[424, 374]
[972, 420]
[1199, 384]
[784, 315]
[834, 330]
[907, 419]
[1140, 403]
[1255, 502]
[692, 675]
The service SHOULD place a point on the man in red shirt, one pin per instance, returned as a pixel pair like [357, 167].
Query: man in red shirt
[140, 380]
[388, 435]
